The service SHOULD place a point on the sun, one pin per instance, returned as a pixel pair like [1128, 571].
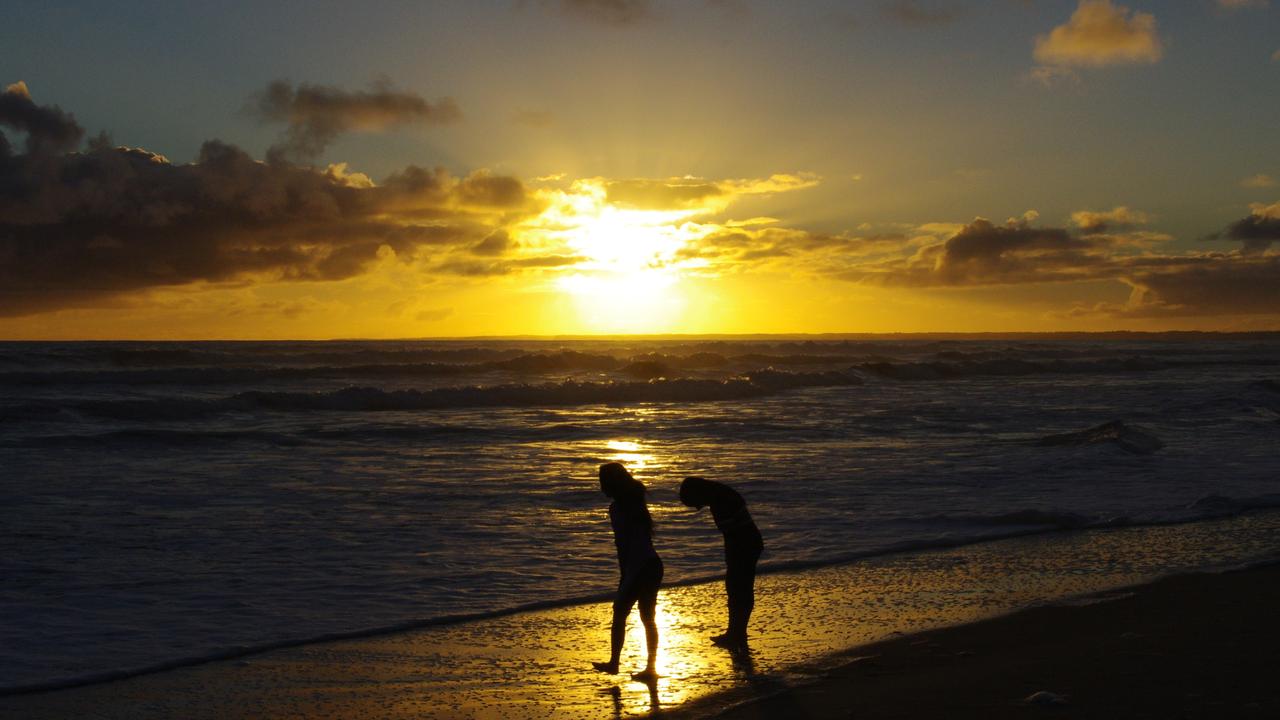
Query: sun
[629, 240]
[629, 277]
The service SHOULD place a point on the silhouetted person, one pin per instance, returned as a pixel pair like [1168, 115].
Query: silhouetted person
[638, 562]
[742, 548]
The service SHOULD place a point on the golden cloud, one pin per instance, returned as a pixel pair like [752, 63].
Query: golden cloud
[691, 193]
[1093, 222]
[1100, 34]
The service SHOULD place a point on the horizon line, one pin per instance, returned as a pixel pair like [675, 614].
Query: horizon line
[1010, 334]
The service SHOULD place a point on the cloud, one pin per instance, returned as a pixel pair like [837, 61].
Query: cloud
[776, 183]
[1258, 230]
[1208, 285]
[910, 13]
[80, 227]
[1260, 180]
[984, 253]
[1100, 34]
[482, 268]
[1099, 246]
[737, 249]
[498, 242]
[48, 128]
[315, 115]
[1238, 4]
[979, 253]
[1121, 217]
[672, 193]
[686, 193]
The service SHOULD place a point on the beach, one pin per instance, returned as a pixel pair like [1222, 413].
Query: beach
[536, 664]
[1192, 646]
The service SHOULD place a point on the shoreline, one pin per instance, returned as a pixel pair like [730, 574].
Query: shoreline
[1191, 645]
[534, 663]
[605, 596]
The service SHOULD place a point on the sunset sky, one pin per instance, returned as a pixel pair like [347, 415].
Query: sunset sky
[418, 169]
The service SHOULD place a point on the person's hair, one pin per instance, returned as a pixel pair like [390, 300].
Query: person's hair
[695, 491]
[627, 492]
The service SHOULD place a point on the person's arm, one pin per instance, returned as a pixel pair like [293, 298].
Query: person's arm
[615, 522]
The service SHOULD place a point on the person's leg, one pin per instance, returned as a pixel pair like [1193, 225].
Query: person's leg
[648, 614]
[732, 591]
[740, 576]
[628, 593]
[618, 631]
[746, 595]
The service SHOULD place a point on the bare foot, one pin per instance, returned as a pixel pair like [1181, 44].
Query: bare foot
[732, 642]
[647, 675]
[606, 667]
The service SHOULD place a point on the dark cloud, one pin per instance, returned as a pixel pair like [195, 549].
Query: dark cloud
[482, 268]
[1257, 231]
[742, 247]
[1219, 284]
[984, 253]
[48, 128]
[484, 189]
[78, 228]
[315, 115]
[497, 243]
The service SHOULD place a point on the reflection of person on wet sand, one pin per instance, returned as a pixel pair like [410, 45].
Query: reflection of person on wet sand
[742, 548]
[640, 565]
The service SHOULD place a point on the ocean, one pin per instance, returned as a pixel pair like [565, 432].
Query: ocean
[164, 503]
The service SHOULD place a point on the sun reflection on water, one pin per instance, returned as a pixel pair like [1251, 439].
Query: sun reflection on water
[631, 454]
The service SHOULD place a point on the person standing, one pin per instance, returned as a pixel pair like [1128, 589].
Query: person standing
[742, 547]
[639, 565]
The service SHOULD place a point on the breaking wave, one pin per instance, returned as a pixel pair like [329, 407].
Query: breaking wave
[370, 399]
[1114, 432]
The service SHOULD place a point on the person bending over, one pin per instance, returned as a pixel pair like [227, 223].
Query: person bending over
[640, 566]
[742, 548]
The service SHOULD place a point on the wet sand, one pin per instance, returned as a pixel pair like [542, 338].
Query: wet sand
[537, 664]
[1194, 646]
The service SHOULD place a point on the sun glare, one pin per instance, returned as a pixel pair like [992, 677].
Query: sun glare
[629, 240]
[629, 276]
